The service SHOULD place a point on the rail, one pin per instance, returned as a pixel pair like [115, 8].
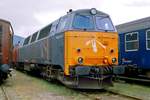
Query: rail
[4, 92]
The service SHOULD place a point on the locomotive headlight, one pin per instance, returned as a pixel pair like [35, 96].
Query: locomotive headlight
[80, 60]
[93, 11]
[114, 60]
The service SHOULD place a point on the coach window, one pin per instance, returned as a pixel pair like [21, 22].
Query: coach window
[44, 32]
[1, 30]
[148, 39]
[34, 37]
[131, 41]
[26, 41]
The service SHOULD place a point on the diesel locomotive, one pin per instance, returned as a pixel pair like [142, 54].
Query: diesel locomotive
[6, 48]
[79, 49]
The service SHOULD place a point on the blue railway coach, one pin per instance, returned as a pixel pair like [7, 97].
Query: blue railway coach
[134, 51]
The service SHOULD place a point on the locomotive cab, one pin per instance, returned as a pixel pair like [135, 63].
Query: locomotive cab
[89, 42]
[91, 47]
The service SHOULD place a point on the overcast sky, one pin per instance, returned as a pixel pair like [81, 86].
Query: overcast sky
[27, 16]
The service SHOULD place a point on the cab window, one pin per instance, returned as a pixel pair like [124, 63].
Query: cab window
[34, 37]
[26, 41]
[54, 27]
[104, 23]
[83, 22]
[62, 23]
[44, 32]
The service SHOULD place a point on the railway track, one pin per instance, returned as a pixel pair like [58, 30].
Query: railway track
[135, 79]
[5, 95]
[90, 96]
[121, 94]
[95, 96]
